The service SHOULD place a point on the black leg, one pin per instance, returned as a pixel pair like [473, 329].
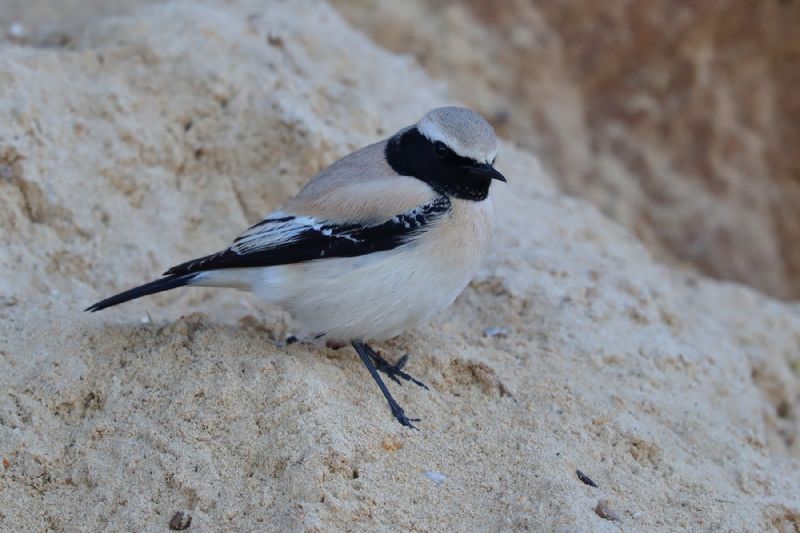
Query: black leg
[364, 352]
[393, 371]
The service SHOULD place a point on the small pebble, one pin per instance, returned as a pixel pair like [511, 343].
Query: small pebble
[604, 510]
[16, 31]
[437, 477]
[586, 479]
[334, 345]
[496, 332]
[180, 521]
[391, 444]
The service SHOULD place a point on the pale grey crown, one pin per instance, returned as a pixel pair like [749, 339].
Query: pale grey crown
[462, 130]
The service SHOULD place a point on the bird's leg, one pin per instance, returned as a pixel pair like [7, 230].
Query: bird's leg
[365, 352]
[393, 371]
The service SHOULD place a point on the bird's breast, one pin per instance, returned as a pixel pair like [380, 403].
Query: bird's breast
[464, 234]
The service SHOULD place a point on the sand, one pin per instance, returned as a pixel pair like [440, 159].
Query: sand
[159, 133]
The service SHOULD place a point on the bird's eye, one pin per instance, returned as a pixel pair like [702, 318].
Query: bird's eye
[440, 149]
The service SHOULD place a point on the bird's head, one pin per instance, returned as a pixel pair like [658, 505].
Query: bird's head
[452, 149]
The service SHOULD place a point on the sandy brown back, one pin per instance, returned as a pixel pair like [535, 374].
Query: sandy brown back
[360, 187]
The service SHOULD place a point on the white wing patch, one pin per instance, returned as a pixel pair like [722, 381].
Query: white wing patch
[276, 230]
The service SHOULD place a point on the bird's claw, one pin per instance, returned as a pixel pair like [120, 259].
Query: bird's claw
[401, 417]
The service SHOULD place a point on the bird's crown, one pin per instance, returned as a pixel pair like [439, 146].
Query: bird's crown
[462, 130]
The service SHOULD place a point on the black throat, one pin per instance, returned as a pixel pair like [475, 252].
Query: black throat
[412, 154]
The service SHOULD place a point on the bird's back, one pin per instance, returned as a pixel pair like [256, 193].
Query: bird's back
[360, 187]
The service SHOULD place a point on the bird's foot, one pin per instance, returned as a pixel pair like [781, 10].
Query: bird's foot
[401, 417]
[373, 361]
[395, 371]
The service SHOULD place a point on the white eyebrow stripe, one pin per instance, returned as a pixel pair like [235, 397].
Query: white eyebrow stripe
[433, 132]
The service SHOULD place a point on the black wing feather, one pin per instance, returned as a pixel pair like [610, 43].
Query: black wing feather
[322, 241]
[159, 285]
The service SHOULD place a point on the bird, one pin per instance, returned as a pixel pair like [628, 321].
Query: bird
[375, 244]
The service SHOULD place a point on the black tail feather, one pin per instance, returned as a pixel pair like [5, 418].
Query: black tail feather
[159, 285]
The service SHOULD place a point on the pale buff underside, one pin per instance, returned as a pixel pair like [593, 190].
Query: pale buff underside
[379, 295]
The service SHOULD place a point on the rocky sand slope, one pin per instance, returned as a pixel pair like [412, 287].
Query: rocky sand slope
[158, 134]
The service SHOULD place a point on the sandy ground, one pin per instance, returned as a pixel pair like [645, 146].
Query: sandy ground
[158, 134]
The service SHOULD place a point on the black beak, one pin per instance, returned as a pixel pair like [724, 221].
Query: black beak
[485, 170]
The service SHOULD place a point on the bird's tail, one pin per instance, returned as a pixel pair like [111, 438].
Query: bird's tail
[159, 285]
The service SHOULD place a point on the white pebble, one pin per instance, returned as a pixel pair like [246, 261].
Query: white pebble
[495, 332]
[437, 477]
[16, 30]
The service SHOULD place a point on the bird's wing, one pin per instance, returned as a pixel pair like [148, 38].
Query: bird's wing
[283, 238]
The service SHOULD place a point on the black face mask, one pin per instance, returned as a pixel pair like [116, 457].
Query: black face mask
[412, 154]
